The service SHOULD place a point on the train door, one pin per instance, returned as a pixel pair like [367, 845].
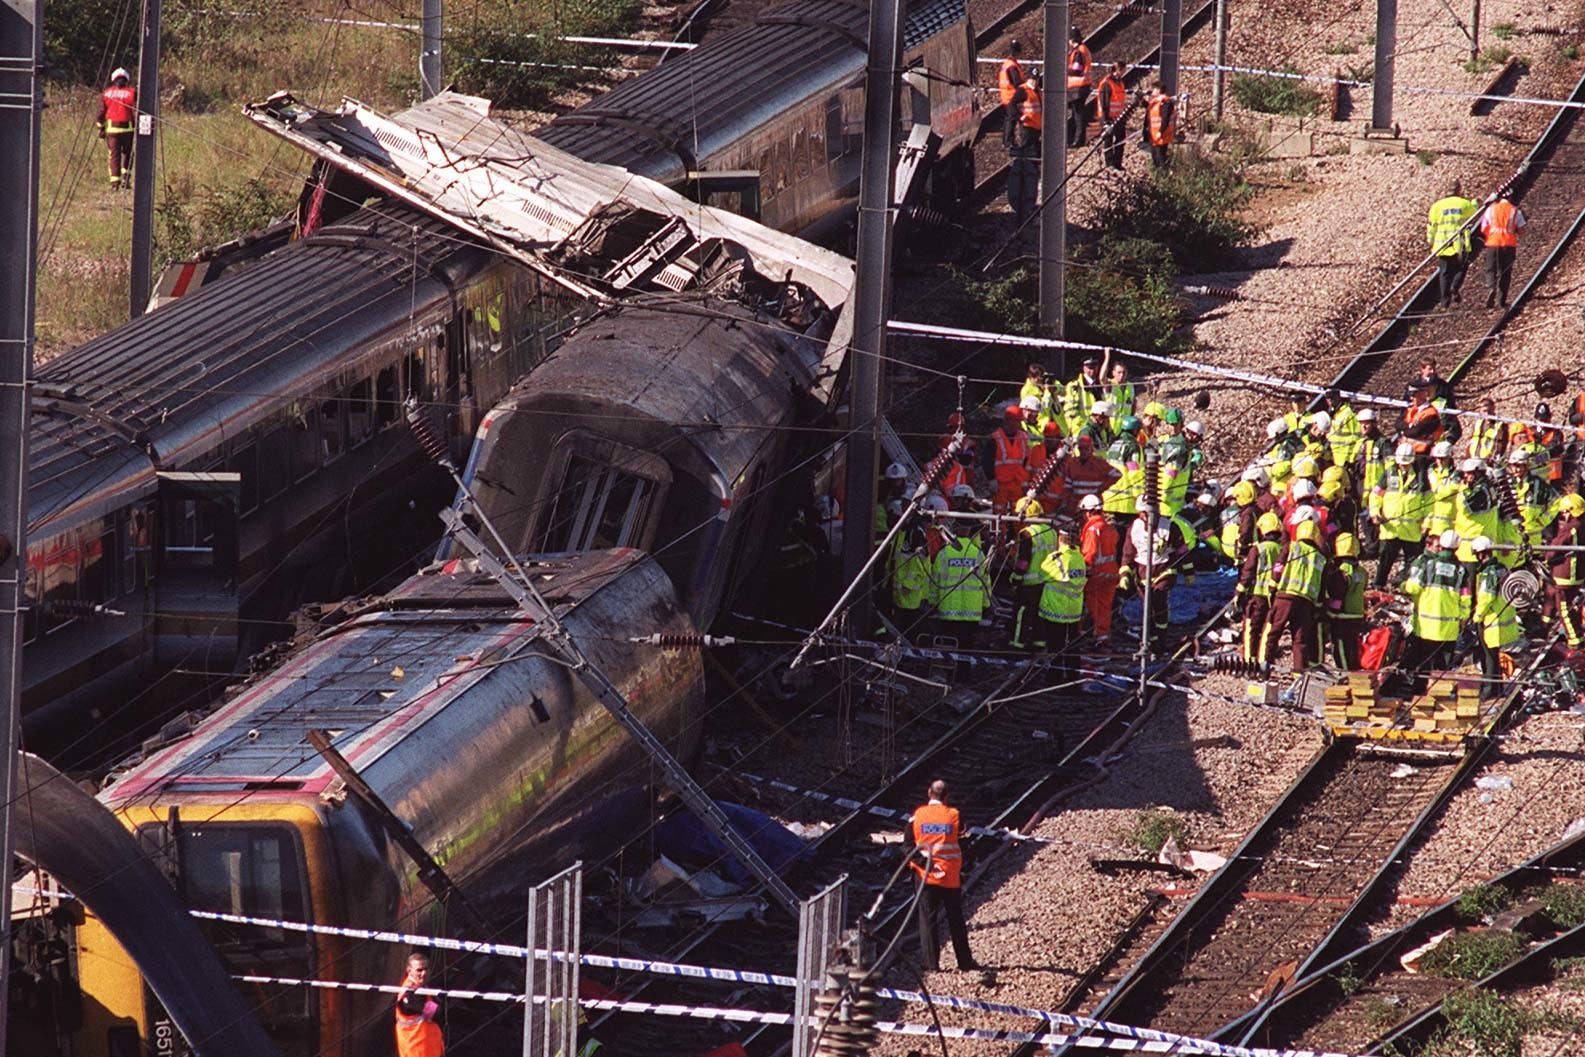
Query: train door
[196, 591]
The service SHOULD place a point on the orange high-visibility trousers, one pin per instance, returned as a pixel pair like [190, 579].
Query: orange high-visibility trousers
[1099, 590]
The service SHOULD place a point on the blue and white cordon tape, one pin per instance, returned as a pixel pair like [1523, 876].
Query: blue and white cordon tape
[703, 972]
[1136, 1042]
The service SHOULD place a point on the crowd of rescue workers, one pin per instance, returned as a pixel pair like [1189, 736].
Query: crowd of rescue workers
[1071, 522]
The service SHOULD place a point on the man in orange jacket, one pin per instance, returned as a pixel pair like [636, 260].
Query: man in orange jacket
[939, 863]
[1098, 542]
[1499, 228]
[417, 1034]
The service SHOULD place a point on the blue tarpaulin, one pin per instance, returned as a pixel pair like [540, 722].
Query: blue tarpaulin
[684, 838]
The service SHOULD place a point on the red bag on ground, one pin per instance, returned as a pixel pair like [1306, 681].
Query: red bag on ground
[1375, 646]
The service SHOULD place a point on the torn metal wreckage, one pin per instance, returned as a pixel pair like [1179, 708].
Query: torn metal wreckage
[597, 230]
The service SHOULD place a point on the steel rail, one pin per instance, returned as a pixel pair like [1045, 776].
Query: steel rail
[1378, 958]
[1392, 334]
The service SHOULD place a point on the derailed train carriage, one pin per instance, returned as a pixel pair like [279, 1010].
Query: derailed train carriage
[208, 460]
[441, 695]
[768, 119]
[663, 428]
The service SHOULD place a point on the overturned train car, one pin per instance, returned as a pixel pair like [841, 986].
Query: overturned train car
[668, 429]
[440, 695]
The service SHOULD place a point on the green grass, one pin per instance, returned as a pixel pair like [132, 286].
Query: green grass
[1480, 902]
[1426, 157]
[1473, 955]
[1275, 95]
[1341, 47]
[1153, 827]
[1571, 52]
[1503, 30]
[1564, 905]
[214, 165]
[1489, 59]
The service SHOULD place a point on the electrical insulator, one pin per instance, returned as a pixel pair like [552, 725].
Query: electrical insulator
[844, 1014]
[1230, 663]
[428, 437]
[1153, 478]
[679, 641]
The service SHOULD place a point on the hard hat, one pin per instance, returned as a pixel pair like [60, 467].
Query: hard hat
[1543, 411]
[1330, 490]
[1333, 474]
[1448, 540]
[896, 472]
[1346, 546]
[1268, 523]
[1129, 424]
[1257, 476]
[120, 74]
[1404, 456]
[1051, 429]
[1012, 411]
[1368, 415]
[1243, 493]
[1305, 513]
[1308, 531]
[1156, 410]
[1517, 457]
[1084, 440]
[1196, 427]
[955, 420]
[1029, 403]
[1276, 428]
[1304, 466]
[1142, 505]
[1321, 421]
[1029, 506]
[1173, 417]
[1480, 544]
[1472, 465]
[1205, 499]
[961, 491]
[933, 501]
[1572, 505]
[1101, 407]
[1092, 502]
[1442, 450]
[1304, 488]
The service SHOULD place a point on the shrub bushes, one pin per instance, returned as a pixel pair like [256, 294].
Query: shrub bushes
[1192, 209]
[1275, 95]
[505, 52]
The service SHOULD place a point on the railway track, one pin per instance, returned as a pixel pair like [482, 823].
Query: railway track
[1005, 755]
[1365, 997]
[1287, 887]
[1548, 185]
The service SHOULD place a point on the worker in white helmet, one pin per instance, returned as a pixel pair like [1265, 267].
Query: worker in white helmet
[1440, 588]
[118, 108]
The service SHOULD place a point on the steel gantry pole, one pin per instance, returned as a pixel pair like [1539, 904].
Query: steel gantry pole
[872, 296]
[143, 149]
[429, 64]
[1171, 43]
[1386, 47]
[21, 102]
[1053, 172]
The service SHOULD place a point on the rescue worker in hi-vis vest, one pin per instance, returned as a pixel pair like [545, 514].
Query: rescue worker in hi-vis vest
[417, 1034]
[1499, 228]
[118, 106]
[1160, 127]
[939, 864]
[1111, 99]
[1447, 231]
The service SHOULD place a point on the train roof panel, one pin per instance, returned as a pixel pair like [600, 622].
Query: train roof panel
[369, 681]
[175, 374]
[703, 100]
[717, 378]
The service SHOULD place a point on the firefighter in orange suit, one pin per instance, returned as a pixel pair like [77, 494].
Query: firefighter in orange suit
[1005, 456]
[1159, 123]
[937, 830]
[417, 1034]
[118, 106]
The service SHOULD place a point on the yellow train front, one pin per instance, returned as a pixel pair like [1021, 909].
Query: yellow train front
[441, 697]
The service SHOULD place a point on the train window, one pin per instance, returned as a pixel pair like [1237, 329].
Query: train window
[97, 579]
[254, 870]
[834, 145]
[387, 397]
[274, 464]
[245, 464]
[332, 428]
[136, 557]
[597, 506]
[58, 580]
[360, 413]
[303, 428]
[802, 163]
[414, 380]
[31, 590]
